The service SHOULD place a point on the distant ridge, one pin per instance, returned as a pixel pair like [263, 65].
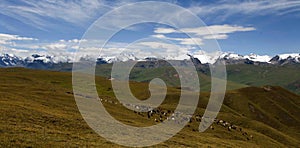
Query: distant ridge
[11, 60]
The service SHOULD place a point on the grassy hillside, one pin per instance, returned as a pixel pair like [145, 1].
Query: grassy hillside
[38, 109]
[238, 76]
[286, 76]
[168, 74]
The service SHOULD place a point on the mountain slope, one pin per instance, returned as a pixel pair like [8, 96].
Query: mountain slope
[238, 75]
[38, 109]
[167, 73]
[270, 105]
[259, 75]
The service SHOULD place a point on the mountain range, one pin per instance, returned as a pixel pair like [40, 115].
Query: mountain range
[34, 61]
[47, 61]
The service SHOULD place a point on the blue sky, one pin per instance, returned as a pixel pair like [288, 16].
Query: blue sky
[262, 27]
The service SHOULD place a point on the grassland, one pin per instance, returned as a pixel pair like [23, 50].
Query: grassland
[38, 110]
[286, 76]
[168, 74]
[238, 75]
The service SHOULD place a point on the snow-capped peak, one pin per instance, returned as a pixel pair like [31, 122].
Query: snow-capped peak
[205, 57]
[47, 59]
[291, 55]
[201, 56]
[120, 58]
[10, 60]
[283, 59]
[258, 58]
[234, 56]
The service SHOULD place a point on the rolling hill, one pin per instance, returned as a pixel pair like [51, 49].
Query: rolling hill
[249, 70]
[259, 75]
[38, 110]
[238, 75]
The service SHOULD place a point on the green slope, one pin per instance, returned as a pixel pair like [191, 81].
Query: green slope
[38, 110]
[259, 75]
[238, 76]
[168, 74]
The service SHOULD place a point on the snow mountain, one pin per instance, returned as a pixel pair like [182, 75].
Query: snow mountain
[33, 61]
[46, 61]
[286, 59]
[8, 60]
[232, 58]
[203, 58]
[123, 57]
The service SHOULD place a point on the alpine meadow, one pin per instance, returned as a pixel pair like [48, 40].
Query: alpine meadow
[128, 73]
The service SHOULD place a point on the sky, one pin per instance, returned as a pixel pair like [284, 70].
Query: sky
[243, 27]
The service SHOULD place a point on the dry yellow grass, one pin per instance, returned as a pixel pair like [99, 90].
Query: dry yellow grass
[38, 110]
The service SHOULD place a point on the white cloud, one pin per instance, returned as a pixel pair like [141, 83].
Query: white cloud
[14, 37]
[55, 46]
[9, 38]
[61, 45]
[163, 49]
[205, 30]
[216, 36]
[160, 36]
[190, 41]
[14, 51]
[158, 45]
[182, 41]
[223, 9]
[201, 33]
[74, 41]
[61, 48]
[164, 30]
[41, 14]
[216, 29]
[36, 13]
[19, 50]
